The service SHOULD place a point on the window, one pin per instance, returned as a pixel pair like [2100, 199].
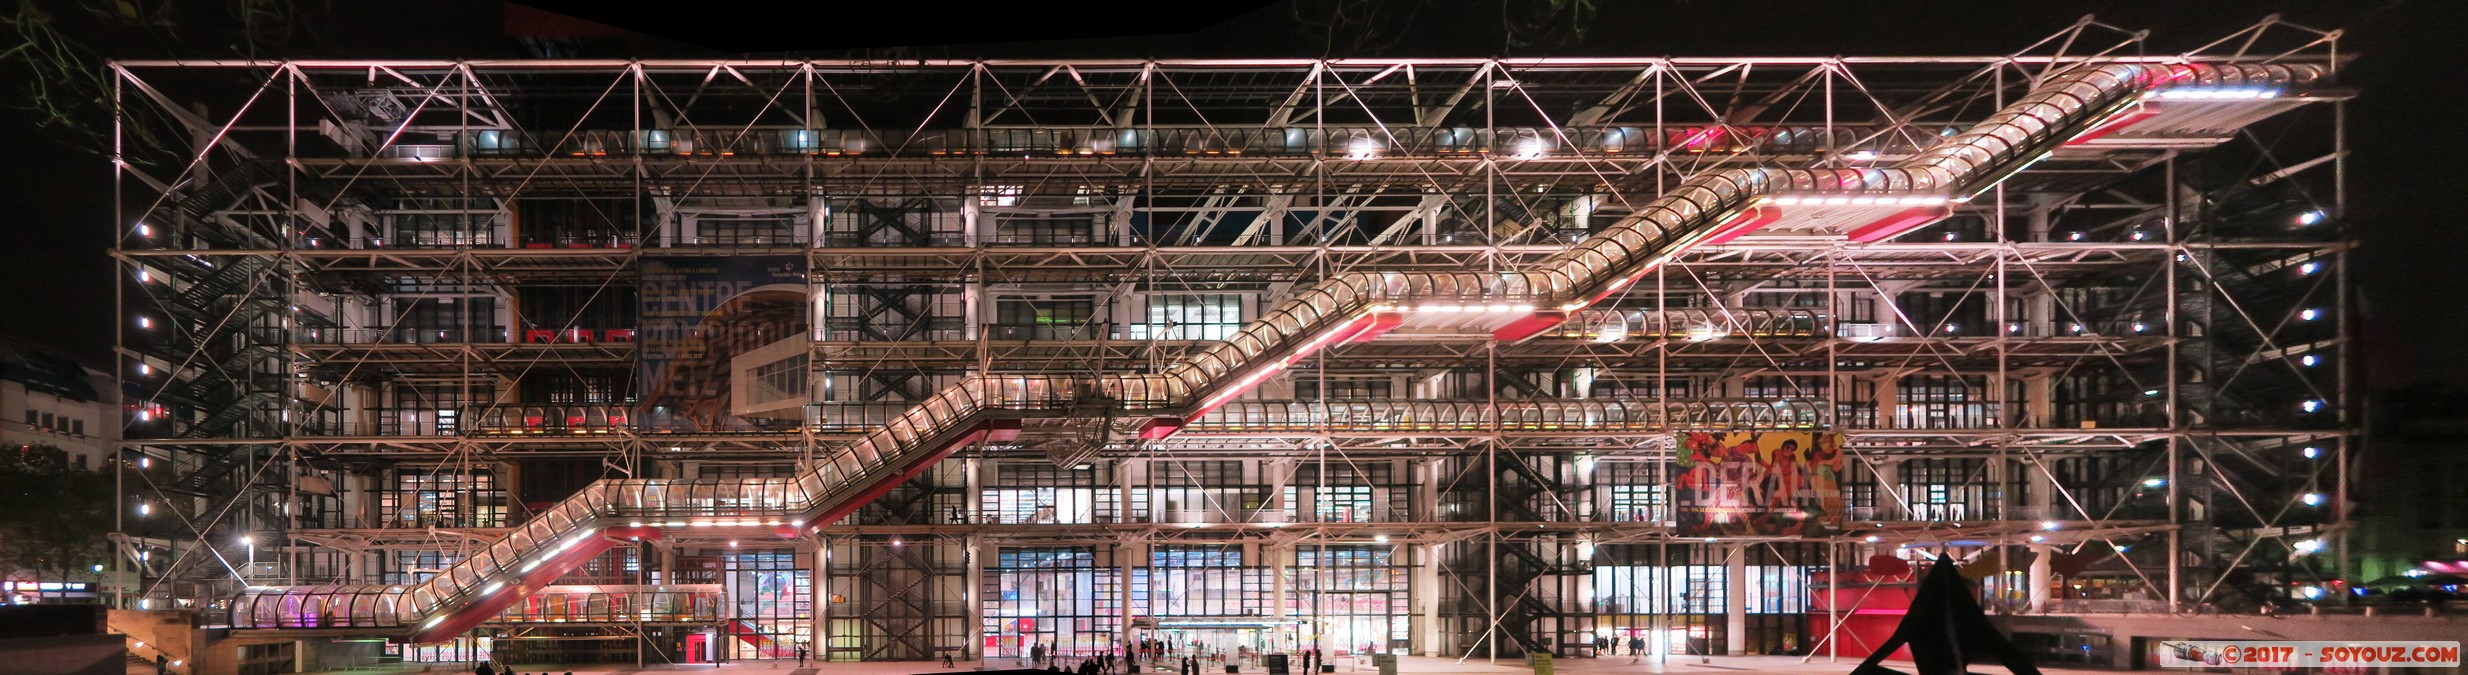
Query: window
[445, 320]
[999, 195]
[1950, 489]
[450, 224]
[772, 596]
[1044, 319]
[1191, 317]
[443, 499]
[47, 420]
[1307, 387]
[1049, 229]
[1200, 580]
[1637, 504]
[579, 388]
[77, 427]
[1039, 492]
[1069, 597]
[1341, 504]
[779, 380]
[749, 230]
[1196, 492]
[1357, 591]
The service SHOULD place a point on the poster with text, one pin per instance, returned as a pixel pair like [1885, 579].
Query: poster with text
[1757, 484]
[711, 323]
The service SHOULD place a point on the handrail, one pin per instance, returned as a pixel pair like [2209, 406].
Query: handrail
[2062, 107]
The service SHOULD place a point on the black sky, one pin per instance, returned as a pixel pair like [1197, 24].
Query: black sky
[2408, 129]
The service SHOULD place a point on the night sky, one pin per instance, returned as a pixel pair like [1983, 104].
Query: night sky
[2408, 129]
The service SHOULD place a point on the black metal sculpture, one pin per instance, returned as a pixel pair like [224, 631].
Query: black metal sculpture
[1946, 631]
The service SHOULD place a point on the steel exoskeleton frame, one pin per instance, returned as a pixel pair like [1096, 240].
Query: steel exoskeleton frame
[1576, 156]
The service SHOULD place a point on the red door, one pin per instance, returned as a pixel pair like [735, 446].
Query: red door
[697, 644]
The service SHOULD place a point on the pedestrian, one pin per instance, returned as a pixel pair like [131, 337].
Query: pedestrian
[947, 660]
[1636, 649]
[1036, 654]
[162, 666]
[801, 656]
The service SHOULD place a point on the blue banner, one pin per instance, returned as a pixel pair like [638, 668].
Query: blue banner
[703, 317]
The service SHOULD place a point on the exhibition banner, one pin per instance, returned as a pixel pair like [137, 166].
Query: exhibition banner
[1757, 484]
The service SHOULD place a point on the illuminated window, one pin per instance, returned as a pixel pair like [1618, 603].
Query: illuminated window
[1191, 317]
[999, 195]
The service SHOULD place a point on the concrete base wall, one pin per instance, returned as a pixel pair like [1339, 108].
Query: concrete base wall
[170, 633]
[65, 655]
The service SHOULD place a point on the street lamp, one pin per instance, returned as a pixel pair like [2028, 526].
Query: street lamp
[251, 543]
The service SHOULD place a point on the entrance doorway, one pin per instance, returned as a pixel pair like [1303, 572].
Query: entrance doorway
[698, 648]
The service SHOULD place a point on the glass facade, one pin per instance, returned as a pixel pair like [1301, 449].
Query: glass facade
[1068, 598]
[771, 603]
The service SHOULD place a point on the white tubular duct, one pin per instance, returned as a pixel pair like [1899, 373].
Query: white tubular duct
[1320, 315]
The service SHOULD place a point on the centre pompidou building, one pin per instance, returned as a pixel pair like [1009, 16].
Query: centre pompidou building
[684, 361]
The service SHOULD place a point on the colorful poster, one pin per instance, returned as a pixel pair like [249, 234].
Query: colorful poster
[1758, 484]
[702, 318]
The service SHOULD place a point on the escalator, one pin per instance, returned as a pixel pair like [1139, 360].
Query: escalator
[1349, 307]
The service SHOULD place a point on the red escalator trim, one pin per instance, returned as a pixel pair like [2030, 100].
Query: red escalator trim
[1744, 223]
[1380, 324]
[1358, 329]
[478, 611]
[1161, 427]
[1902, 221]
[2116, 124]
[989, 430]
[1530, 326]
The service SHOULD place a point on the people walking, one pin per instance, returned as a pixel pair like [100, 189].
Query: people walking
[801, 656]
[1636, 649]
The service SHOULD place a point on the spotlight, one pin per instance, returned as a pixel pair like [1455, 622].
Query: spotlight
[2310, 313]
[2310, 499]
[2309, 218]
[2310, 452]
